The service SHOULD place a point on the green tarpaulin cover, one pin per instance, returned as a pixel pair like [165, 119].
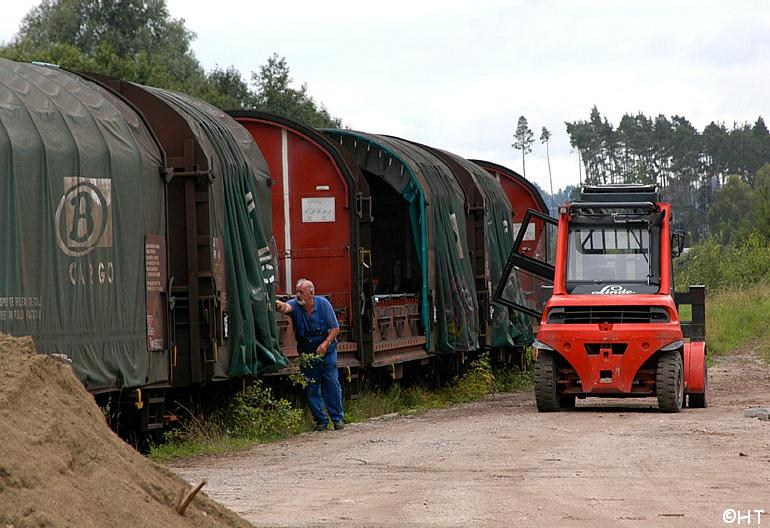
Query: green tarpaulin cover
[242, 216]
[80, 188]
[436, 207]
[509, 327]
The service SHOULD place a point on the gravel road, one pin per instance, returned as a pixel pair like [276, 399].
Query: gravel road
[499, 462]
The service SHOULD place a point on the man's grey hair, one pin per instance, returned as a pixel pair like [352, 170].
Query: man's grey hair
[310, 285]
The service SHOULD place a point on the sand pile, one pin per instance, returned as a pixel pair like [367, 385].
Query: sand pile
[61, 465]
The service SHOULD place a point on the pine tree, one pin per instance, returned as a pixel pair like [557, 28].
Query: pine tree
[545, 137]
[522, 140]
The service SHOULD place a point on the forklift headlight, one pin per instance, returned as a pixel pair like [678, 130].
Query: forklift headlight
[555, 315]
[540, 345]
[676, 345]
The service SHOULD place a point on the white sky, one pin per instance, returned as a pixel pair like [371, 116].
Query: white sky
[457, 74]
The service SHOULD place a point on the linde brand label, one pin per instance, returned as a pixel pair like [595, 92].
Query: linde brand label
[83, 223]
[613, 289]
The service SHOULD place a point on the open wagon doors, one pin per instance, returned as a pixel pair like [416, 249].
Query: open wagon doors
[532, 262]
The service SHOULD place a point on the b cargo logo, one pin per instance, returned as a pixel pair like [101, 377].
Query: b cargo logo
[84, 216]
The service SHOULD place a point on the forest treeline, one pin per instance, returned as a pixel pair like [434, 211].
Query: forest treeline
[717, 179]
[138, 41]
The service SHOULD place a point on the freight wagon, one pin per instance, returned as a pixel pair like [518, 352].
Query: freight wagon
[135, 236]
[538, 239]
[145, 234]
[348, 225]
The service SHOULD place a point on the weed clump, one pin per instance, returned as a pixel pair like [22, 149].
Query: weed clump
[250, 416]
[474, 385]
[257, 414]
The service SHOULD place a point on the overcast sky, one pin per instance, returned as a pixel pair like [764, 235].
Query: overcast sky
[457, 74]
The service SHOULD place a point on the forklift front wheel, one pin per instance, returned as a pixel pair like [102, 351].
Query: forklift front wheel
[546, 386]
[670, 381]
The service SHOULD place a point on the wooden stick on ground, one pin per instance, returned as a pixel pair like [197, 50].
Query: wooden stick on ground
[182, 503]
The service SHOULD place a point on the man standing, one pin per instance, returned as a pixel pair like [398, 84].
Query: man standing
[316, 329]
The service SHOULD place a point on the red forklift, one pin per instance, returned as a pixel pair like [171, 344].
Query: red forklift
[610, 325]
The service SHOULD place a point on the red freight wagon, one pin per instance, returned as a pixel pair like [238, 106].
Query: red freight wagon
[520, 191]
[318, 198]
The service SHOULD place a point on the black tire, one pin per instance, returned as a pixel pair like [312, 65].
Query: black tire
[700, 401]
[546, 388]
[670, 382]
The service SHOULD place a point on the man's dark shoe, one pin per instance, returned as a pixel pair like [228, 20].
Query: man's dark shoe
[339, 426]
[321, 427]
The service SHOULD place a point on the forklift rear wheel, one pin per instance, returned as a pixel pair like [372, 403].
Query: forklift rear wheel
[670, 382]
[699, 401]
[546, 387]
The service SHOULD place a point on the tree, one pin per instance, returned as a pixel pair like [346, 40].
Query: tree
[688, 166]
[127, 26]
[275, 94]
[730, 215]
[522, 140]
[135, 40]
[762, 201]
[138, 41]
[597, 145]
[715, 148]
[230, 90]
[545, 137]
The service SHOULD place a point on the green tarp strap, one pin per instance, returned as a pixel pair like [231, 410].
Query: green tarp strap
[509, 327]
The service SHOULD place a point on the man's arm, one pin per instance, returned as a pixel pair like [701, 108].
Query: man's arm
[324, 346]
[334, 329]
[282, 307]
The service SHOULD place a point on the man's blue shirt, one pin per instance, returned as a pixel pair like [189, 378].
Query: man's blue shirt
[311, 329]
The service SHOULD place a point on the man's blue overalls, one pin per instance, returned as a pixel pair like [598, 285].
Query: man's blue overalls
[323, 380]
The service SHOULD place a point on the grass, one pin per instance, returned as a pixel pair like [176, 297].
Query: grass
[253, 415]
[480, 381]
[395, 399]
[256, 416]
[172, 450]
[738, 317]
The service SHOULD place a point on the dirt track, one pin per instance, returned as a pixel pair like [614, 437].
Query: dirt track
[500, 463]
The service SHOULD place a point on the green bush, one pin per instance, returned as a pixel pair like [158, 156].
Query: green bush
[718, 266]
[251, 415]
[737, 318]
[509, 380]
[257, 415]
[477, 382]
